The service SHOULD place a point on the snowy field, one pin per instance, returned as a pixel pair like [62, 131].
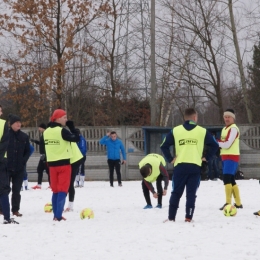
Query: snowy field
[121, 229]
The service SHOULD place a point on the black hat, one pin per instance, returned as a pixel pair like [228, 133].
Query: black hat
[42, 125]
[13, 118]
[230, 110]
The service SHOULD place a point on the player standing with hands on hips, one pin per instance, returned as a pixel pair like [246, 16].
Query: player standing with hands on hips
[114, 147]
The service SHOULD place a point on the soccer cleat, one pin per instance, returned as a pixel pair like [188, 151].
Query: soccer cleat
[62, 218]
[120, 184]
[36, 187]
[148, 207]
[168, 220]
[257, 213]
[238, 207]
[159, 206]
[10, 221]
[17, 214]
[111, 185]
[223, 206]
[187, 220]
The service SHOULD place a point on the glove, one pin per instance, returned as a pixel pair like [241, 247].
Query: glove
[204, 166]
[70, 125]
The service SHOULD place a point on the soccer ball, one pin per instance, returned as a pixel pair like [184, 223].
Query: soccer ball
[86, 213]
[230, 210]
[48, 208]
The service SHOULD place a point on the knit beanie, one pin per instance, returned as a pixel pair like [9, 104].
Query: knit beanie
[13, 118]
[58, 113]
[42, 125]
[230, 112]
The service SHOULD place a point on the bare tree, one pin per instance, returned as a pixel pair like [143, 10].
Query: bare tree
[196, 28]
[53, 25]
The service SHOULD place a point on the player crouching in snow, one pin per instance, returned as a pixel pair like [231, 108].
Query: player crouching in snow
[152, 168]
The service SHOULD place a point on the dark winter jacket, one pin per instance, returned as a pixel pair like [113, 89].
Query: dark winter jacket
[18, 151]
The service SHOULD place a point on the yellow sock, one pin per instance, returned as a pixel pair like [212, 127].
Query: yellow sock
[236, 194]
[228, 190]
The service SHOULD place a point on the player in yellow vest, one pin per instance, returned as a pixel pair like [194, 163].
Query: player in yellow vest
[57, 141]
[188, 140]
[230, 156]
[152, 168]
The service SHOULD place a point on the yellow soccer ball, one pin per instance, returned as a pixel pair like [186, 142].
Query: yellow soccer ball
[230, 210]
[87, 213]
[48, 208]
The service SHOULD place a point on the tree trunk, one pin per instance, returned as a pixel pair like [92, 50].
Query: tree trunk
[239, 61]
[153, 71]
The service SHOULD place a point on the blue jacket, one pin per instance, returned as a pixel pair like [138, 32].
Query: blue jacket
[113, 148]
[82, 144]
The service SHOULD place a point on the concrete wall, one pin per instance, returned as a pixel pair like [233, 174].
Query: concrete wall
[96, 164]
[250, 150]
[133, 139]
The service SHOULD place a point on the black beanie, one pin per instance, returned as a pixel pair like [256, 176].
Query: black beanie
[230, 110]
[13, 118]
[42, 125]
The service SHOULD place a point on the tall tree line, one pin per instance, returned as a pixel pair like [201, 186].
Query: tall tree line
[93, 59]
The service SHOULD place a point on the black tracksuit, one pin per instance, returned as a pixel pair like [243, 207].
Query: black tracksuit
[42, 165]
[18, 153]
[4, 178]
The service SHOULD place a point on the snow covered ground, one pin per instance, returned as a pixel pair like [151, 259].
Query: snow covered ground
[121, 228]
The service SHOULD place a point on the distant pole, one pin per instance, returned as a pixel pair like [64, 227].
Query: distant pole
[153, 75]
